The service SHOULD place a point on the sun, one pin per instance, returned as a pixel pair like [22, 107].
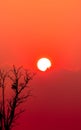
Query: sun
[43, 64]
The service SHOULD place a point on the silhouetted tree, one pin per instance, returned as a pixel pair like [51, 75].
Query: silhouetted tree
[16, 79]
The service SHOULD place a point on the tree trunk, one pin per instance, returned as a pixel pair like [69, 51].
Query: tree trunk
[0, 124]
[7, 127]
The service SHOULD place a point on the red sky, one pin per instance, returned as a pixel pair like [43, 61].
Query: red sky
[52, 28]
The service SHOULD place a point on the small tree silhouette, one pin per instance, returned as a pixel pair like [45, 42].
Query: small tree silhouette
[16, 79]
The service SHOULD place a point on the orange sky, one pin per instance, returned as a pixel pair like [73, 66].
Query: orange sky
[30, 29]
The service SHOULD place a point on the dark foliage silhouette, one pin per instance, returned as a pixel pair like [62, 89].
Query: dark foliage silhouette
[17, 81]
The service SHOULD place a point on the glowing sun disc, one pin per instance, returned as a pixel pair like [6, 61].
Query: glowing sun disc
[43, 64]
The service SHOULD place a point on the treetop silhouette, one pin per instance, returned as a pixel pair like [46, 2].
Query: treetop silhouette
[17, 80]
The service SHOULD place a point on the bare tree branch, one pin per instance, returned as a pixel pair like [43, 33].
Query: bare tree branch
[19, 79]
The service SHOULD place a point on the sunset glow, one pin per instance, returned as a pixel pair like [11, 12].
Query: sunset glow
[35, 29]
